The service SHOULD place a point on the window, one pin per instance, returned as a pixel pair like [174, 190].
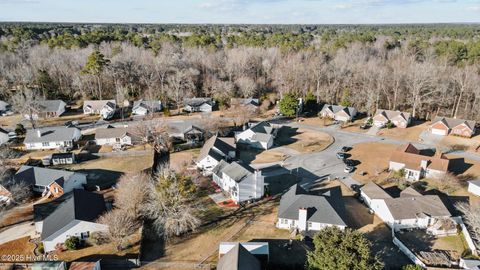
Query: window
[117, 140]
[84, 235]
[45, 143]
[309, 224]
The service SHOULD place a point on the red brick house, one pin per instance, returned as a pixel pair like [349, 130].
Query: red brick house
[445, 126]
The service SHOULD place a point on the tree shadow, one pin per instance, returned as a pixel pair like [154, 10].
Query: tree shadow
[100, 178]
[285, 136]
[152, 244]
[287, 255]
[416, 122]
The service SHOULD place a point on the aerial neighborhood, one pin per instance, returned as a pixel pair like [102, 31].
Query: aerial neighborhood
[177, 155]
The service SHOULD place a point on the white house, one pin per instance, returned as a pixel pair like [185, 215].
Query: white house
[3, 136]
[50, 181]
[48, 108]
[105, 108]
[185, 131]
[239, 181]
[116, 137]
[74, 216]
[474, 187]
[260, 135]
[410, 210]
[142, 107]
[199, 104]
[242, 256]
[417, 166]
[337, 112]
[214, 150]
[51, 138]
[309, 212]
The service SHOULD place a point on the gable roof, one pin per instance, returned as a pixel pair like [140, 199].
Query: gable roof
[4, 192]
[97, 105]
[106, 133]
[322, 208]
[238, 258]
[411, 157]
[374, 191]
[50, 105]
[338, 108]
[245, 101]
[410, 207]
[42, 176]
[410, 192]
[3, 105]
[82, 205]
[43, 210]
[212, 145]
[50, 134]
[149, 105]
[390, 115]
[263, 131]
[197, 102]
[453, 122]
[475, 182]
[234, 170]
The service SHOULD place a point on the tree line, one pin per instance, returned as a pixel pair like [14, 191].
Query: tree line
[420, 72]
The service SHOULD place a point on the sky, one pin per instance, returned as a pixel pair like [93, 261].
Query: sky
[242, 11]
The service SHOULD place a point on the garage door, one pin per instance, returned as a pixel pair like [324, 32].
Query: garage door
[439, 131]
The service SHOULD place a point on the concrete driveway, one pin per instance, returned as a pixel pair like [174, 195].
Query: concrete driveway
[17, 231]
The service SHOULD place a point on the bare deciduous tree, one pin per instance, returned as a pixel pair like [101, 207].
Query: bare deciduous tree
[471, 214]
[27, 102]
[131, 193]
[120, 226]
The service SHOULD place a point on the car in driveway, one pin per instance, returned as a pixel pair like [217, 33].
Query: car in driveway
[346, 149]
[349, 162]
[349, 169]
[365, 126]
[341, 155]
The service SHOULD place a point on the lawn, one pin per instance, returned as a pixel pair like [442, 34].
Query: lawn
[307, 141]
[11, 121]
[373, 160]
[21, 247]
[411, 133]
[16, 215]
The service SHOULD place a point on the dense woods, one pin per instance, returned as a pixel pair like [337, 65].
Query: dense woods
[424, 69]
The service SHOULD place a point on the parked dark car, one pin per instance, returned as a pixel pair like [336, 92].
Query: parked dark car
[365, 126]
[346, 148]
[349, 162]
[341, 155]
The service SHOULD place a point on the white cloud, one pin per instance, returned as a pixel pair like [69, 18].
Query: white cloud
[474, 8]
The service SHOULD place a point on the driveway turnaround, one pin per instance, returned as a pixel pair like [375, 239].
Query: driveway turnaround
[17, 231]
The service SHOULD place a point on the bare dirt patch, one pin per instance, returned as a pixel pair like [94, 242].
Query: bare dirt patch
[373, 159]
[307, 141]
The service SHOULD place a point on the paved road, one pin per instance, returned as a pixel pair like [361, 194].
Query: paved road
[17, 231]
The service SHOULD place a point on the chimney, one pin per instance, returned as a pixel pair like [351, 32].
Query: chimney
[259, 182]
[302, 219]
[39, 133]
[424, 164]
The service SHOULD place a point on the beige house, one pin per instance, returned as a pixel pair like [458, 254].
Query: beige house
[398, 118]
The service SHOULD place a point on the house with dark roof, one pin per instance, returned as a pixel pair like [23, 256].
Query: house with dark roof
[198, 104]
[48, 109]
[251, 104]
[416, 166]
[337, 112]
[410, 210]
[142, 107]
[50, 182]
[63, 158]
[51, 138]
[105, 108]
[242, 256]
[114, 136]
[4, 107]
[49, 265]
[474, 187]
[445, 126]
[259, 135]
[309, 212]
[185, 131]
[239, 181]
[213, 151]
[75, 216]
[398, 118]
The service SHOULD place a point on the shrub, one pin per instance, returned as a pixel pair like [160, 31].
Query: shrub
[412, 267]
[72, 243]
[20, 129]
[41, 248]
[166, 112]
[389, 125]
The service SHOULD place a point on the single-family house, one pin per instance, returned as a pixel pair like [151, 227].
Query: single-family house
[50, 181]
[260, 135]
[251, 104]
[199, 104]
[239, 181]
[185, 131]
[309, 212]
[116, 137]
[105, 108]
[42, 210]
[5, 195]
[48, 109]
[214, 150]
[445, 126]
[4, 136]
[470, 264]
[75, 216]
[142, 107]
[84, 265]
[337, 112]
[474, 187]
[63, 158]
[417, 166]
[4, 107]
[49, 265]
[242, 256]
[58, 137]
[398, 118]
[410, 210]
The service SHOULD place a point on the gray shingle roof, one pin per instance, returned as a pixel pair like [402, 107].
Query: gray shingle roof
[50, 134]
[322, 208]
[82, 205]
[263, 131]
[238, 258]
[217, 143]
[42, 176]
[417, 206]
[196, 102]
[453, 122]
[150, 105]
[475, 182]
[245, 101]
[374, 191]
[3, 105]
[50, 105]
[237, 171]
[105, 133]
[392, 114]
[43, 210]
[336, 108]
[97, 105]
